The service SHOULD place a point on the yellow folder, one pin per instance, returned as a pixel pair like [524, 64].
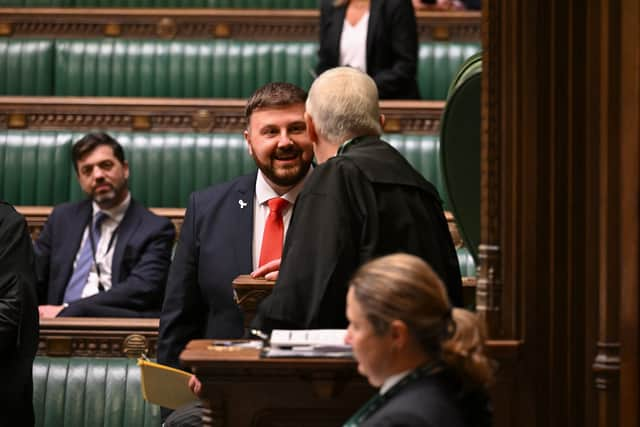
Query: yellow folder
[164, 385]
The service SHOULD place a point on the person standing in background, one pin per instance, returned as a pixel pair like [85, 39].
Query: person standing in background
[378, 37]
[18, 319]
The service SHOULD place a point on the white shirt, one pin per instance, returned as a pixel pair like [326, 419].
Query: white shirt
[353, 44]
[393, 380]
[104, 251]
[264, 192]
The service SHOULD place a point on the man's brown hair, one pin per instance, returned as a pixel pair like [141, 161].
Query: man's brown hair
[274, 95]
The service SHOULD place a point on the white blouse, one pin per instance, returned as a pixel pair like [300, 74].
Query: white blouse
[353, 44]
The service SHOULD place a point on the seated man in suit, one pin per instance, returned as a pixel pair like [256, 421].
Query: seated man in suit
[106, 255]
[233, 228]
[364, 200]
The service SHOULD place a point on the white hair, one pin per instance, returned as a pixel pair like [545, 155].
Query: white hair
[343, 103]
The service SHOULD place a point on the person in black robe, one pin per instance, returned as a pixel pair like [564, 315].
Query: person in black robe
[18, 319]
[364, 200]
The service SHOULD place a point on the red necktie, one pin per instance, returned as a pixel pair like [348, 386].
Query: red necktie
[273, 231]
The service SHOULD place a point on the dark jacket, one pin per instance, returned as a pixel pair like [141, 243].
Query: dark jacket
[392, 45]
[141, 259]
[214, 248]
[18, 320]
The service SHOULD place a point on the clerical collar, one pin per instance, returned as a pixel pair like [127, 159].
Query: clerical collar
[116, 213]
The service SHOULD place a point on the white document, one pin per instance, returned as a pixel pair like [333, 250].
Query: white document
[308, 343]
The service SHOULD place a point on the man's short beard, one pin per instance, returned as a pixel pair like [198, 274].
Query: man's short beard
[290, 177]
[110, 198]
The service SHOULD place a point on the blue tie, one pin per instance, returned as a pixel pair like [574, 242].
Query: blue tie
[85, 261]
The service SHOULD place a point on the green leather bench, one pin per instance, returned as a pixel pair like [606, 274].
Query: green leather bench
[80, 391]
[248, 4]
[35, 167]
[186, 69]
[438, 63]
[26, 67]
[181, 69]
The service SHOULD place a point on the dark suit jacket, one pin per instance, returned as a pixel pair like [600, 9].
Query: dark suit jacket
[392, 45]
[434, 401]
[18, 320]
[215, 246]
[140, 264]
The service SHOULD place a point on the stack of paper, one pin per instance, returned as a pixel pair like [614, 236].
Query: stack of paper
[308, 343]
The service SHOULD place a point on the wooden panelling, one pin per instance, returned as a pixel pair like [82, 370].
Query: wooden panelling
[247, 24]
[98, 337]
[560, 206]
[178, 115]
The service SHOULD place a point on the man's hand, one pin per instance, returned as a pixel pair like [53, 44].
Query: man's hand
[49, 311]
[195, 385]
[269, 270]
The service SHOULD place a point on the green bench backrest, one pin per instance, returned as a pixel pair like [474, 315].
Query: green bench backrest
[82, 391]
[26, 67]
[423, 152]
[35, 167]
[438, 63]
[185, 69]
[248, 4]
[180, 69]
[460, 142]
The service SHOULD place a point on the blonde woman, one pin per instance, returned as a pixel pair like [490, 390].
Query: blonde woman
[378, 37]
[427, 358]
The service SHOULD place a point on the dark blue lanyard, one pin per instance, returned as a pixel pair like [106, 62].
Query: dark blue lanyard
[379, 399]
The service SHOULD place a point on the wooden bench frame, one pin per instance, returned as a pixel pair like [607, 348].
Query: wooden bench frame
[177, 115]
[246, 24]
[98, 337]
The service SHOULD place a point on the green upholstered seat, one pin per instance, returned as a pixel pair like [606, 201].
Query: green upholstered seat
[26, 67]
[181, 69]
[249, 4]
[423, 152]
[460, 150]
[35, 166]
[438, 63]
[79, 391]
[215, 68]
[467, 263]
[185, 68]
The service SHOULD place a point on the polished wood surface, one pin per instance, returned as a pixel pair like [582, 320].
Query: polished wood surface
[561, 207]
[242, 389]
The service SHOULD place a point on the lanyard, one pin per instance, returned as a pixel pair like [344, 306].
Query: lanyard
[378, 400]
[93, 249]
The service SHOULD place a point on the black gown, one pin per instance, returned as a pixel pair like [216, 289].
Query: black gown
[364, 203]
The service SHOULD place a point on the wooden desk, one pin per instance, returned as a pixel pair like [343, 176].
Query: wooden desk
[243, 389]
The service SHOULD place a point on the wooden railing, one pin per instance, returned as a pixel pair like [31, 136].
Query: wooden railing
[101, 337]
[176, 115]
[245, 24]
